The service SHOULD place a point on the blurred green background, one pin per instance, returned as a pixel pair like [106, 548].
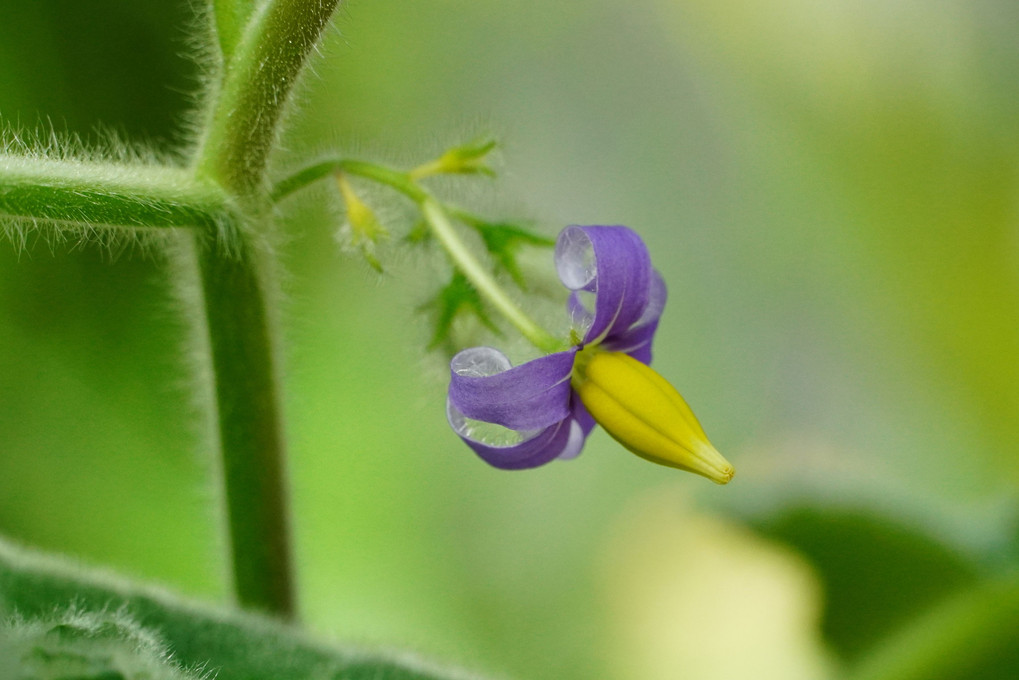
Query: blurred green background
[829, 190]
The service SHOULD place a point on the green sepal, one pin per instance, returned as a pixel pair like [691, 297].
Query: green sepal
[77, 617]
[469, 158]
[503, 241]
[478, 148]
[466, 159]
[457, 297]
[419, 234]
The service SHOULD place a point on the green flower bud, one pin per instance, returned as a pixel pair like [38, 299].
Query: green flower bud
[468, 159]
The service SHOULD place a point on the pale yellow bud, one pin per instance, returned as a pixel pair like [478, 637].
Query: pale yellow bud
[646, 414]
[365, 230]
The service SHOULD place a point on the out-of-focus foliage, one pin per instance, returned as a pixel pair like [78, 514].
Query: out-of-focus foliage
[829, 190]
[113, 630]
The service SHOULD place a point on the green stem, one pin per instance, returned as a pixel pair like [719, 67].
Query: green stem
[394, 179]
[251, 436]
[952, 639]
[482, 280]
[242, 129]
[255, 91]
[436, 217]
[101, 194]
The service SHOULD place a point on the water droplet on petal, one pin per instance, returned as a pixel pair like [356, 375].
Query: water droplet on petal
[488, 434]
[574, 258]
[480, 362]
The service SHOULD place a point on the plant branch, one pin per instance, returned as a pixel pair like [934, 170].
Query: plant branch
[483, 281]
[400, 181]
[437, 217]
[251, 438]
[101, 194]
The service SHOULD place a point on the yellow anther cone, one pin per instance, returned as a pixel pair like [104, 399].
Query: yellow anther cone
[646, 414]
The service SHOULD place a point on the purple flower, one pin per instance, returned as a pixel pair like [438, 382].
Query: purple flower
[525, 416]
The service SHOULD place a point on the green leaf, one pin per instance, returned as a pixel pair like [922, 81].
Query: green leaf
[973, 634]
[877, 572]
[93, 646]
[105, 619]
[456, 298]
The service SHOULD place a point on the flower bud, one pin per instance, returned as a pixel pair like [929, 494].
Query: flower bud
[363, 226]
[468, 159]
[646, 414]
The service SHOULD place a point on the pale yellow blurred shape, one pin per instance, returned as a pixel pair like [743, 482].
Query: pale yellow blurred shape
[693, 596]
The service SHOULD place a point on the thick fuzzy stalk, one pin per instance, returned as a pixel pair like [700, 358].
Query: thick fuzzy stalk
[255, 90]
[242, 127]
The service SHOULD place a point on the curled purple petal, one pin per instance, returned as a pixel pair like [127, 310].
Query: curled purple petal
[579, 413]
[611, 262]
[575, 443]
[484, 386]
[636, 340]
[525, 416]
[533, 449]
[581, 425]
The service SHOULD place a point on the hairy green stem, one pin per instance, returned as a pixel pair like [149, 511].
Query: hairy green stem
[482, 280]
[251, 435]
[229, 18]
[438, 221]
[395, 179]
[265, 50]
[255, 90]
[107, 195]
[242, 128]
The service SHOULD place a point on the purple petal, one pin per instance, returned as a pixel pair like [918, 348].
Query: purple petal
[613, 263]
[581, 317]
[580, 414]
[483, 386]
[542, 449]
[636, 341]
[582, 424]
[536, 448]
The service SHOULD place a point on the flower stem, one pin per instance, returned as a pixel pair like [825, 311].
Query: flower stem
[443, 229]
[437, 218]
[400, 181]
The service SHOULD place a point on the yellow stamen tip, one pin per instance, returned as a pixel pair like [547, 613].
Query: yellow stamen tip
[646, 414]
